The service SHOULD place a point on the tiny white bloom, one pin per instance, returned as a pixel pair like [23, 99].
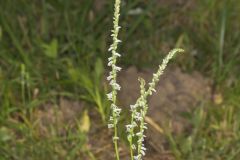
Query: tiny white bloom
[115, 138]
[139, 134]
[129, 127]
[111, 48]
[142, 152]
[115, 86]
[109, 77]
[110, 63]
[113, 106]
[110, 126]
[111, 118]
[133, 147]
[110, 96]
[133, 107]
[143, 148]
[116, 54]
[110, 58]
[117, 68]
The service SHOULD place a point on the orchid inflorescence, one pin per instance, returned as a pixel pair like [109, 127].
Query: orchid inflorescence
[139, 110]
[137, 126]
[112, 78]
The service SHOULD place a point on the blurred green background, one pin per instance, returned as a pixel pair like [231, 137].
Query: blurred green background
[58, 48]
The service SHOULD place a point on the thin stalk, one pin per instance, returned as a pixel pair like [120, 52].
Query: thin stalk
[139, 110]
[112, 78]
[23, 84]
[222, 38]
[115, 140]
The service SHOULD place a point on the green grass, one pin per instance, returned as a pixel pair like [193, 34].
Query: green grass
[214, 135]
[63, 46]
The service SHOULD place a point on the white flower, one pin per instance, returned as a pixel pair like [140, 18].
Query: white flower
[142, 152]
[110, 125]
[115, 138]
[134, 124]
[133, 107]
[119, 41]
[112, 73]
[138, 157]
[110, 96]
[111, 118]
[116, 54]
[152, 89]
[110, 58]
[133, 147]
[113, 106]
[129, 127]
[139, 134]
[116, 86]
[109, 77]
[117, 111]
[143, 148]
[110, 63]
[111, 48]
[116, 68]
[137, 116]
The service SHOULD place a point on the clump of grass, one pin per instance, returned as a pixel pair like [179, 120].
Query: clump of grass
[139, 110]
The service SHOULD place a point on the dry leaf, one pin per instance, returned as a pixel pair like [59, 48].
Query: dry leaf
[85, 122]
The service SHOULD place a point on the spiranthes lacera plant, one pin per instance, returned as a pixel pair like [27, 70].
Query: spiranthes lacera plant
[139, 110]
[112, 78]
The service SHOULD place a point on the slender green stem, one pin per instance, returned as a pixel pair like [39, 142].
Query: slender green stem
[23, 72]
[131, 151]
[115, 141]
